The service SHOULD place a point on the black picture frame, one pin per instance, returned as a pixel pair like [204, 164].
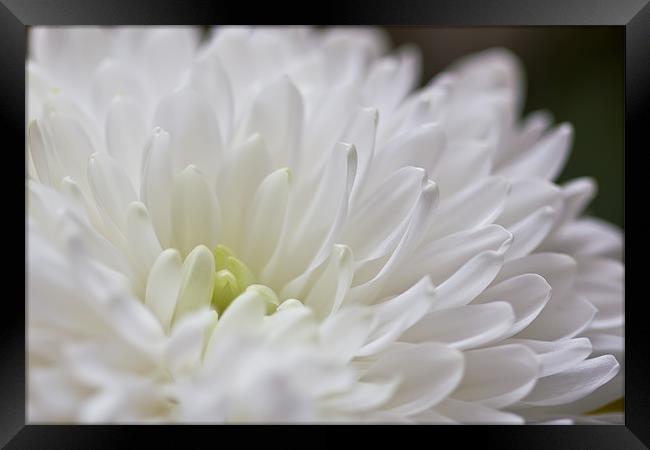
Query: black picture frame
[633, 15]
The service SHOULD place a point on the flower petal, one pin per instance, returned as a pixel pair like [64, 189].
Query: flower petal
[196, 215]
[498, 376]
[573, 384]
[556, 357]
[111, 188]
[277, 115]
[327, 294]
[527, 294]
[141, 238]
[244, 316]
[531, 231]
[265, 219]
[429, 372]
[463, 327]
[156, 184]
[586, 237]
[343, 333]
[396, 315]
[243, 171]
[209, 78]
[46, 162]
[477, 205]
[193, 130]
[197, 283]
[545, 159]
[470, 280]
[476, 414]
[560, 319]
[126, 136]
[558, 270]
[163, 285]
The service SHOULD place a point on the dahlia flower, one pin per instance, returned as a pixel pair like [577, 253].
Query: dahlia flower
[278, 225]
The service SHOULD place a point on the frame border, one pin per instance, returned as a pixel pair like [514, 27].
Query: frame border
[634, 15]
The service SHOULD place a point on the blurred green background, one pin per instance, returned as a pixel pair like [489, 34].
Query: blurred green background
[576, 73]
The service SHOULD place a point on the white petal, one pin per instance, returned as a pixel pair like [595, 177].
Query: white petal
[291, 325]
[527, 294]
[46, 161]
[573, 384]
[419, 222]
[163, 285]
[420, 148]
[193, 130]
[531, 231]
[327, 294]
[560, 319]
[83, 47]
[396, 315]
[239, 178]
[69, 108]
[326, 124]
[156, 185]
[586, 237]
[265, 219]
[391, 78]
[111, 188]
[470, 280]
[463, 327]
[126, 136]
[45, 208]
[376, 225]
[141, 237]
[72, 145]
[577, 194]
[197, 283]
[209, 79]
[443, 257]
[471, 157]
[346, 58]
[477, 205]
[277, 115]
[232, 45]
[185, 346]
[526, 197]
[364, 397]
[167, 52]
[342, 334]
[71, 188]
[196, 214]
[361, 132]
[498, 376]
[429, 372]
[545, 159]
[556, 357]
[314, 222]
[607, 297]
[115, 78]
[558, 270]
[600, 270]
[525, 136]
[476, 414]
[244, 316]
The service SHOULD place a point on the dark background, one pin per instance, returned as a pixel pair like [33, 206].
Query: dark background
[575, 73]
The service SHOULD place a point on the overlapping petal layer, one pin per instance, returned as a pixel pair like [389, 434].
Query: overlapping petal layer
[273, 225]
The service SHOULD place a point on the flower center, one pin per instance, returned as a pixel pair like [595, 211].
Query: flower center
[232, 278]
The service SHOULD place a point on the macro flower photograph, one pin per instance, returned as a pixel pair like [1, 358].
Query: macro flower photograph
[323, 225]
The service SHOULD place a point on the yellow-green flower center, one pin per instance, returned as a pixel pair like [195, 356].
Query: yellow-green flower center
[232, 277]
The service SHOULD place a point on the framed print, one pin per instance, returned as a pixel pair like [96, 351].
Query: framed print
[412, 214]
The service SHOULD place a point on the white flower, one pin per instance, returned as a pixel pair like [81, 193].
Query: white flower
[273, 226]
